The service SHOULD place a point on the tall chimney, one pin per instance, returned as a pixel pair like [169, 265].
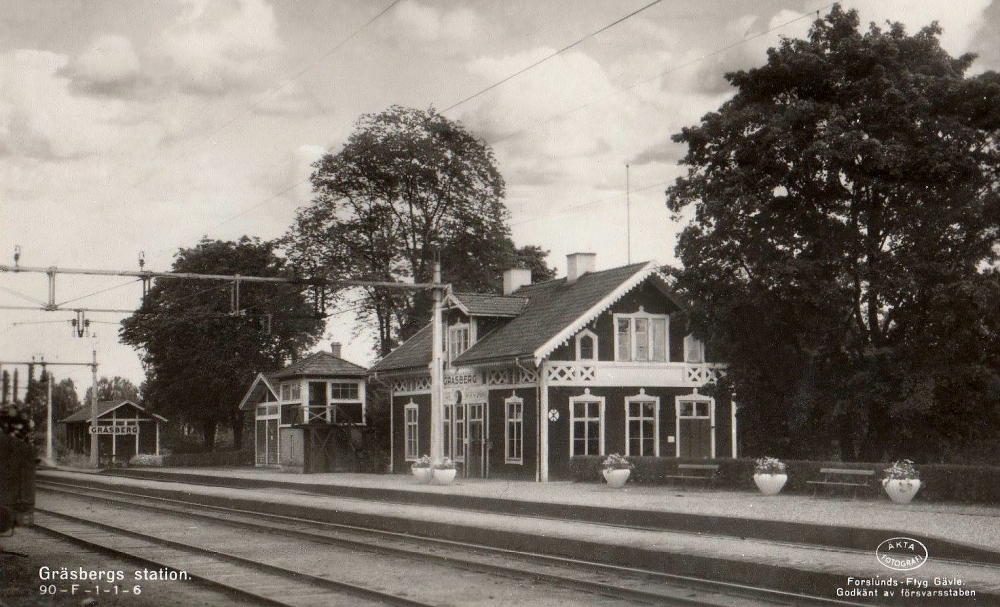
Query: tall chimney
[578, 264]
[335, 349]
[515, 278]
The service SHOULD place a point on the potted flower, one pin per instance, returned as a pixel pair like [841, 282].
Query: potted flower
[769, 475]
[444, 472]
[422, 470]
[617, 470]
[901, 481]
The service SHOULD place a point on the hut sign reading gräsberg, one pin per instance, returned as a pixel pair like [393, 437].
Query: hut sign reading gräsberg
[114, 430]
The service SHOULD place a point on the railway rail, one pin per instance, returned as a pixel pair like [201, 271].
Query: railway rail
[630, 585]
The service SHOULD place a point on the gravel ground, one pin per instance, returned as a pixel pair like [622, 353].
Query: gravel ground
[972, 524]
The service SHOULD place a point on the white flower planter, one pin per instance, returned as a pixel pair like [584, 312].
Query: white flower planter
[617, 478]
[900, 490]
[423, 475]
[770, 484]
[444, 477]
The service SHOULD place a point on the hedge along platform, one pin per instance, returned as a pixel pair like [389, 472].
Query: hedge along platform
[402, 491]
[788, 567]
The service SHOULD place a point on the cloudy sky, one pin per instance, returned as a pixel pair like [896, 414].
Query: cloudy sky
[141, 126]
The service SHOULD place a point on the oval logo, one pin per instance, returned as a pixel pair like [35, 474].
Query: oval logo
[901, 553]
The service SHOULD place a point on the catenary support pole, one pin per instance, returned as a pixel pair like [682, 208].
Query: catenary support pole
[48, 421]
[543, 421]
[93, 411]
[437, 393]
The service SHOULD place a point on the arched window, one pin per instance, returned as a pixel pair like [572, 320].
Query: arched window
[586, 345]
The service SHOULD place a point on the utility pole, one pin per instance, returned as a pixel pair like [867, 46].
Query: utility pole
[628, 215]
[93, 410]
[49, 455]
[437, 373]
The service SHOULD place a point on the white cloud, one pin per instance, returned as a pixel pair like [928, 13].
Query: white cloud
[416, 21]
[291, 99]
[109, 65]
[959, 20]
[40, 117]
[216, 47]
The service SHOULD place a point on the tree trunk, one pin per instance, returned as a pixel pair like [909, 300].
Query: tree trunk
[208, 434]
[236, 421]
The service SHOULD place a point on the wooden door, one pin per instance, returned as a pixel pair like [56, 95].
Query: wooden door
[694, 429]
[475, 457]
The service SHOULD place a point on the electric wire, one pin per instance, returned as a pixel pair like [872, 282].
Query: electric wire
[544, 59]
[124, 284]
[659, 75]
[23, 296]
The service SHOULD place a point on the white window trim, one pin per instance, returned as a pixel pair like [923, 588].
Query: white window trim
[642, 397]
[411, 406]
[508, 459]
[588, 398]
[362, 399]
[693, 397]
[455, 327]
[581, 335]
[631, 316]
[689, 341]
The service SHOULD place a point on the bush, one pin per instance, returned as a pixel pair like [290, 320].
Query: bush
[144, 459]
[941, 482]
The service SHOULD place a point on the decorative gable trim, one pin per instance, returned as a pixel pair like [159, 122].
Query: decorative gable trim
[597, 309]
[452, 301]
[260, 378]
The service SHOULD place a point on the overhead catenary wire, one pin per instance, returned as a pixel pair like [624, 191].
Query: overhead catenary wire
[124, 284]
[659, 75]
[517, 73]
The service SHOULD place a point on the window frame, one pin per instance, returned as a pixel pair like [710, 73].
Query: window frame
[586, 397]
[579, 338]
[631, 317]
[642, 397]
[694, 398]
[509, 457]
[415, 423]
[361, 399]
[455, 328]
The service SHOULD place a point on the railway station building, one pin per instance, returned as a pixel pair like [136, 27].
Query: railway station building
[595, 363]
[306, 415]
[124, 428]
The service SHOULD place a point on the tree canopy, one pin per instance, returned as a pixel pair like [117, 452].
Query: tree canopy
[407, 184]
[846, 218]
[114, 388]
[199, 357]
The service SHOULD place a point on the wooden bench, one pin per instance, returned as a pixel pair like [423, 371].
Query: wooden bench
[844, 478]
[695, 472]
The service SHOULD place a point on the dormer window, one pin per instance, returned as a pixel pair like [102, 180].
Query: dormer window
[458, 340]
[641, 337]
[586, 345]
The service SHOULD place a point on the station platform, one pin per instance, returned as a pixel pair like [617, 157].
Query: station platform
[797, 543]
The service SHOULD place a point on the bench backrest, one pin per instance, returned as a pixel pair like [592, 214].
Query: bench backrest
[697, 466]
[847, 472]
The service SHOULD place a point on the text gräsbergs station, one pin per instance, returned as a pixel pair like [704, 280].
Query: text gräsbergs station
[595, 363]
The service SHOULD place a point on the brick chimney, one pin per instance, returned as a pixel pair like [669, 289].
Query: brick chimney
[335, 349]
[515, 278]
[578, 264]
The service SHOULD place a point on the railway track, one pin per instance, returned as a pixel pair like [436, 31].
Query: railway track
[630, 585]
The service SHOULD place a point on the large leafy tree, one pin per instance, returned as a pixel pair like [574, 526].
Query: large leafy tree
[114, 388]
[65, 401]
[200, 358]
[407, 184]
[846, 214]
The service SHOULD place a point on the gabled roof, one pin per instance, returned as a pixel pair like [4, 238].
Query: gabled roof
[487, 304]
[413, 353]
[104, 407]
[556, 308]
[262, 378]
[554, 312]
[320, 364]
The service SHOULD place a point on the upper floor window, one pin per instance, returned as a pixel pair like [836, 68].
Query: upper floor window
[641, 337]
[344, 391]
[347, 403]
[586, 345]
[458, 340]
[694, 350]
[291, 391]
